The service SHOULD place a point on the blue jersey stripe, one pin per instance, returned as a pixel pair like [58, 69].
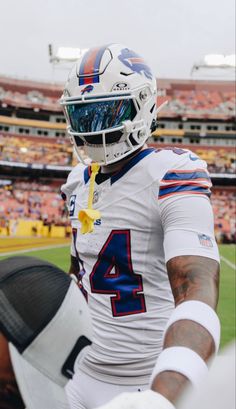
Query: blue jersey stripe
[86, 174]
[164, 191]
[186, 175]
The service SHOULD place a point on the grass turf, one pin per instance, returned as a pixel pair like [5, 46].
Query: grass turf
[226, 306]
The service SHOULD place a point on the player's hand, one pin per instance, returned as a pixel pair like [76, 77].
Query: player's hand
[139, 400]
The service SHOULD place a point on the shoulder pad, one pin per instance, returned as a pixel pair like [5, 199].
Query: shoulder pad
[75, 178]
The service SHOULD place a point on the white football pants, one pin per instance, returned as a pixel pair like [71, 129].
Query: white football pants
[85, 392]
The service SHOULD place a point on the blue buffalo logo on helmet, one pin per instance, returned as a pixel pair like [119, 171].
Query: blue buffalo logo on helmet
[135, 62]
[88, 89]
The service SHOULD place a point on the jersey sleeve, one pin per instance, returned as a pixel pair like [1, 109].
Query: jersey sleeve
[68, 193]
[186, 212]
[72, 183]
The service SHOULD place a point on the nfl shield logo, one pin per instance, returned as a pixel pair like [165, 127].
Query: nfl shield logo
[205, 240]
[95, 197]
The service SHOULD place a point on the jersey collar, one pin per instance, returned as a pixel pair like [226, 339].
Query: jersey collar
[101, 177]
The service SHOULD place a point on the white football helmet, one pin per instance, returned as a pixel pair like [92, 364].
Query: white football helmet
[109, 102]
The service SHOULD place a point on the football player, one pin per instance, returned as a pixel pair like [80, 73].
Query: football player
[143, 245]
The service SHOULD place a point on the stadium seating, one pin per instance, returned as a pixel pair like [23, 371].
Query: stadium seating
[59, 152]
[34, 207]
[34, 201]
[190, 102]
[223, 202]
[42, 150]
[198, 100]
[17, 149]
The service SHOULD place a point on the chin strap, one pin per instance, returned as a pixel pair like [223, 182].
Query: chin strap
[88, 216]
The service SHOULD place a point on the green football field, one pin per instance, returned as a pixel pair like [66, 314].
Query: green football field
[226, 306]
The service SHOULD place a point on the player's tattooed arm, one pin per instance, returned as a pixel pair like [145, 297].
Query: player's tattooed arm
[194, 278]
[191, 278]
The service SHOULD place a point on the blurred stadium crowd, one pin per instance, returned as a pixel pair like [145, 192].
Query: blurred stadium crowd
[36, 154]
[20, 149]
[191, 101]
[32, 200]
[16, 149]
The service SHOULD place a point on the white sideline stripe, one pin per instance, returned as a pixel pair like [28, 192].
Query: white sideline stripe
[12, 253]
[226, 261]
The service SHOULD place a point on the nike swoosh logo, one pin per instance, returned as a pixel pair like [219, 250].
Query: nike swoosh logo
[193, 157]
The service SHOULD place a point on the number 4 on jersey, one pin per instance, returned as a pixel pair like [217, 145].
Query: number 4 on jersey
[113, 274]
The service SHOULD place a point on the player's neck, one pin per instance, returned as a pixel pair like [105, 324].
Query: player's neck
[115, 167]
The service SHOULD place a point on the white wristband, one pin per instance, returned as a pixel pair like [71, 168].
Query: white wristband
[200, 313]
[182, 360]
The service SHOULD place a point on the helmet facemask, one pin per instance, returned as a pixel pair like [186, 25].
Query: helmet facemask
[110, 125]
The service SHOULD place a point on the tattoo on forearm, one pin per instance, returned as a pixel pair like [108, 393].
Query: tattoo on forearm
[191, 278]
[170, 384]
[194, 277]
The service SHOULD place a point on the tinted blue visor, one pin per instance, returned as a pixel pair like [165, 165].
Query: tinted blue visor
[101, 115]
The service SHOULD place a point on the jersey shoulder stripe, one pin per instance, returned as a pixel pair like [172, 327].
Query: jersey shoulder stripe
[183, 189]
[177, 175]
[192, 181]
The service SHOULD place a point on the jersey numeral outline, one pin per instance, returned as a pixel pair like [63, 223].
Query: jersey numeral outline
[113, 274]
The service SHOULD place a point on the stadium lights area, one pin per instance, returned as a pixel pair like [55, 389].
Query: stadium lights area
[218, 61]
[69, 54]
[65, 54]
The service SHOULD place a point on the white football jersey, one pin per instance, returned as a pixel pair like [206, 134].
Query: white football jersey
[155, 208]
